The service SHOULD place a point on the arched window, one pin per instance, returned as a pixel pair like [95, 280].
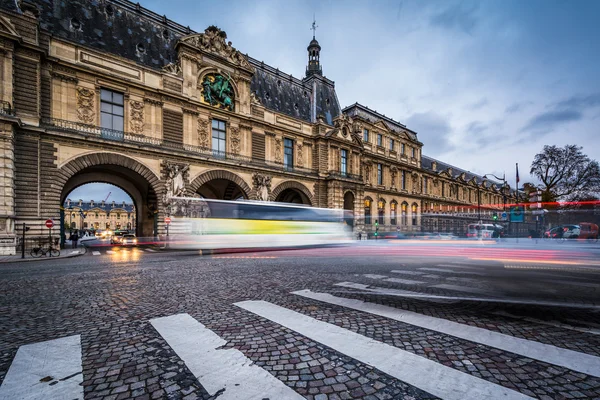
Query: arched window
[415, 209]
[404, 213]
[381, 211]
[368, 202]
[393, 210]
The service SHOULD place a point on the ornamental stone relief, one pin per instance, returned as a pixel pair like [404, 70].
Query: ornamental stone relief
[203, 132]
[278, 150]
[213, 41]
[217, 90]
[85, 105]
[300, 160]
[175, 177]
[262, 186]
[235, 140]
[136, 116]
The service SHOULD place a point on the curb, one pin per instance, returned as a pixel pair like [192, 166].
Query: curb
[17, 260]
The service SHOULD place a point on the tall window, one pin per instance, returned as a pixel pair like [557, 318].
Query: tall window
[219, 137]
[380, 212]
[392, 143]
[403, 179]
[111, 110]
[379, 139]
[288, 153]
[414, 214]
[366, 135]
[443, 189]
[425, 185]
[379, 174]
[404, 214]
[344, 162]
[413, 153]
[367, 211]
[403, 148]
[393, 209]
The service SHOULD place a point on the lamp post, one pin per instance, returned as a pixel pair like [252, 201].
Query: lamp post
[503, 188]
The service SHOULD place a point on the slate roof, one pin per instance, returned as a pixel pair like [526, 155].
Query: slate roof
[107, 207]
[364, 112]
[119, 27]
[427, 164]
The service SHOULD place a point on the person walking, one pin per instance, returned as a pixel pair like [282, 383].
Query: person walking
[74, 239]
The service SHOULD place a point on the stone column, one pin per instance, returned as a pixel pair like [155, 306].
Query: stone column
[7, 193]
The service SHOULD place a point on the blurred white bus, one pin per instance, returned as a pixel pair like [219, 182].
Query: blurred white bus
[220, 224]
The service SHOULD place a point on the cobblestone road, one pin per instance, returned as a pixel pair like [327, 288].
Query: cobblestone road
[110, 302]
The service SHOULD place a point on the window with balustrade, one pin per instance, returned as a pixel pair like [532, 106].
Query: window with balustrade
[111, 110]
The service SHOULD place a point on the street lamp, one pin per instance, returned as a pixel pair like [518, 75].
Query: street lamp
[503, 188]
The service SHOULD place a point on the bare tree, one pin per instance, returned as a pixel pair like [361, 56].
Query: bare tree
[566, 173]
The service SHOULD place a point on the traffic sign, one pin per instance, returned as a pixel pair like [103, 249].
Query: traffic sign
[504, 216]
[516, 214]
[49, 223]
[167, 220]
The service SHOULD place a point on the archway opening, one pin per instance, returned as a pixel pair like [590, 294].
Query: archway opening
[131, 206]
[221, 189]
[349, 207]
[293, 196]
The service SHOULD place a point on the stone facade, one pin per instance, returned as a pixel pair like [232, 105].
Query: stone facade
[189, 114]
[98, 215]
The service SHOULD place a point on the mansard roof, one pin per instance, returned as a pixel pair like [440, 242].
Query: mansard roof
[107, 207]
[364, 112]
[118, 26]
[427, 164]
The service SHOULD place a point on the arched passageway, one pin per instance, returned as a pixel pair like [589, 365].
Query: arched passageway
[292, 196]
[292, 192]
[221, 189]
[349, 208]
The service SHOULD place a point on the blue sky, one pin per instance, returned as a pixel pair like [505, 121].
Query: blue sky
[98, 192]
[485, 84]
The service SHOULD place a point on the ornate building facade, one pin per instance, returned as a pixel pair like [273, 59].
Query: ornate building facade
[108, 91]
[98, 215]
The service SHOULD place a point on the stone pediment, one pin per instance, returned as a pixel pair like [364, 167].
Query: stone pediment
[381, 125]
[346, 129]
[213, 41]
[6, 27]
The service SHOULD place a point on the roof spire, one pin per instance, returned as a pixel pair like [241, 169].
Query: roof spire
[314, 50]
[314, 26]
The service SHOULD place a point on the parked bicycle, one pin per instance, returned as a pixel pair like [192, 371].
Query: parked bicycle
[49, 251]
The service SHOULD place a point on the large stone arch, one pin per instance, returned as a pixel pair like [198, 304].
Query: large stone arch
[143, 186]
[292, 185]
[208, 176]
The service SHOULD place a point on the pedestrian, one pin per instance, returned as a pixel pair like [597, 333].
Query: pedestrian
[74, 239]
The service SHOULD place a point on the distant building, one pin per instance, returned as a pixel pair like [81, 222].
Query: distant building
[98, 215]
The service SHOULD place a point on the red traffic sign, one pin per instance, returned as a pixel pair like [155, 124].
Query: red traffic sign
[49, 223]
[167, 220]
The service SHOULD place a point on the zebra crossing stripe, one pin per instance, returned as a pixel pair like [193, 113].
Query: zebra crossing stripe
[110, 252]
[48, 370]
[225, 373]
[434, 297]
[96, 253]
[430, 376]
[570, 359]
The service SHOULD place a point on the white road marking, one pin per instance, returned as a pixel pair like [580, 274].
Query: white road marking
[374, 276]
[431, 276]
[215, 368]
[48, 370]
[396, 271]
[150, 250]
[458, 288]
[404, 281]
[110, 252]
[556, 324]
[451, 271]
[96, 253]
[570, 359]
[434, 297]
[430, 376]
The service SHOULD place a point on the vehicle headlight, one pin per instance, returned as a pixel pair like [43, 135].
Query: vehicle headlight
[134, 240]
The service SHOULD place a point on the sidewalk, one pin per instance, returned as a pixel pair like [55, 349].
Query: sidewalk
[64, 253]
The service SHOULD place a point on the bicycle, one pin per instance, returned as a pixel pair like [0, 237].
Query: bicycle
[39, 251]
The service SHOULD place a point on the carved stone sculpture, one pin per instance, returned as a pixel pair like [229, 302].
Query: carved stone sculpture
[217, 90]
[254, 98]
[367, 171]
[136, 114]
[172, 68]
[213, 41]
[203, 132]
[300, 156]
[235, 139]
[278, 150]
[85, 105]
[262, 186]
[175, 181]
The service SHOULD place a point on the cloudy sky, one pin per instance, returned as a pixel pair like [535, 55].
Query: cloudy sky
[485, 84]
[98, 192]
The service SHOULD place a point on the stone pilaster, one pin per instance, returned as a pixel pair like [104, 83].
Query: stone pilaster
[7, 192]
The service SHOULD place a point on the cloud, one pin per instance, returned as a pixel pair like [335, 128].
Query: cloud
[98, 192]
[481, 103]
[513, 108]
[432, 129]
[580, 102]
[547, 121]
[458, 17]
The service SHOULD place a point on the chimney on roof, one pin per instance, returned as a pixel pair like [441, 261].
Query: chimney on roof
[434, 166]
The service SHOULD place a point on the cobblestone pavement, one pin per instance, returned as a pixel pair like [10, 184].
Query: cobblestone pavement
[110, 300]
